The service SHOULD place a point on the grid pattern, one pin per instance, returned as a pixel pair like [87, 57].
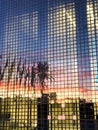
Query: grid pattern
[49, 65]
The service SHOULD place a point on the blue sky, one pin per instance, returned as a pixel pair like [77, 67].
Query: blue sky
[33, 45]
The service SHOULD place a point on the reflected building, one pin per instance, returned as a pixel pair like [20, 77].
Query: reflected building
[62, 48]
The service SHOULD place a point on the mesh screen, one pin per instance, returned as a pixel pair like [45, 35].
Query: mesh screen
[48, 65]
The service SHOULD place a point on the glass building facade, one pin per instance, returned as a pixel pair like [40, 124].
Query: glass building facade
[48, 65]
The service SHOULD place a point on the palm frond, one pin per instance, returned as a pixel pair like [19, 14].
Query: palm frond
[22, 71]
[19, 64]
[27, 75]
[4, 69]
[20, 75]
[11, 69]
[18, 69]
[43, 69]
[33, 76]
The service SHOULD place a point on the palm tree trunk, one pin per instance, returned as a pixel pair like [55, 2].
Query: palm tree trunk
[41, 92]
[42, 88]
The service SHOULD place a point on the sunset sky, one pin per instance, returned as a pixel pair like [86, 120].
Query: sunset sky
[54, 34]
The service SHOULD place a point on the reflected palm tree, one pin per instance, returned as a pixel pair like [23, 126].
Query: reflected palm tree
[18, 70]
[33, 75]
[11, 70]
[40, 74]
[43, 75]
[3, 70]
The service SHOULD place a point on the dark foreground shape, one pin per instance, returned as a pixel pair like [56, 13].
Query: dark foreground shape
[42, 113]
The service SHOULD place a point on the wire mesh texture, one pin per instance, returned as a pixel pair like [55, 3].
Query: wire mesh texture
[48, 65]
